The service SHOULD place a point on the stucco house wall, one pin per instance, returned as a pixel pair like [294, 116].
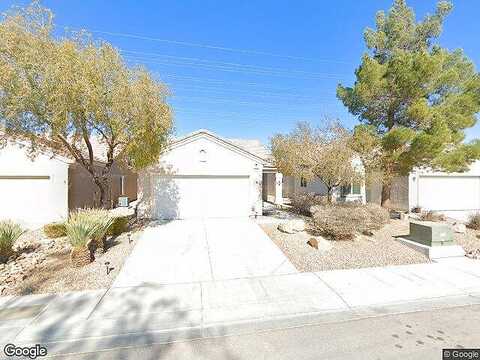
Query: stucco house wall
[198, 156]
[32, 191]
[43, 189]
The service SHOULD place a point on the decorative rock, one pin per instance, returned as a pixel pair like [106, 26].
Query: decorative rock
[459, 228]
[292, 226]
[474, 254]
[32, 250]
[313, 243]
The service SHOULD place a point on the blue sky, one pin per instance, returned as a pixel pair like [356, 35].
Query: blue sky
[251, 68]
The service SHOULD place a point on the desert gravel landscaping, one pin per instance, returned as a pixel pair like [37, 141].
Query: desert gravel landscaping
[381, 249]
[53, 272]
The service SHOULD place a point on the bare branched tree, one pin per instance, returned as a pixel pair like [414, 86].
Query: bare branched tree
[321, 152]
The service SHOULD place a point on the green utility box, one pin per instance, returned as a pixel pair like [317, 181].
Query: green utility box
[431, 233]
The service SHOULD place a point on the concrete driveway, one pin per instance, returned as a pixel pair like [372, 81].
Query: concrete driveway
[186, 251]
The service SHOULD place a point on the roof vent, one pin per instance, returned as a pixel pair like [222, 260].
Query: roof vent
[203, 155]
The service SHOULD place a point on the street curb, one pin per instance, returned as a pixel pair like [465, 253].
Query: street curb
[132, 340]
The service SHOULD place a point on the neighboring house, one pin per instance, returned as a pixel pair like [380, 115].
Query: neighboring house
[457, 195]
[279, 189]
[44, 189]
[204, 175]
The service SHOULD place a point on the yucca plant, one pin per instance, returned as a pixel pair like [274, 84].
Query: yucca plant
[101, 219]
[9, 233]
[80, 232]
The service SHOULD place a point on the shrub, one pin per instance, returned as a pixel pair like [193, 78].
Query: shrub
[432, 216]
[474, 221]
[55, 230]
[119, 225]
[302, 203]
[80, 229]
[379, 216]
[343, 221]
[9, 233]
[100, 218]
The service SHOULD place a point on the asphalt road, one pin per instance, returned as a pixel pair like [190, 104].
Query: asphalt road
[420, 335]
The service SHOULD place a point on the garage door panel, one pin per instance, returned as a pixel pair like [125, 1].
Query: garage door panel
[226, 197]
[26, 200]
[449, 193]
[190, 197]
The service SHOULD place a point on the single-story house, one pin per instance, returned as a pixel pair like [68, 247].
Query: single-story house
[205, 175]
[457, 195]
[202, 175]
[43, 189]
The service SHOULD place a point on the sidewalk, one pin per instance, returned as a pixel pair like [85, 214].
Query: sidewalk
[128, 316]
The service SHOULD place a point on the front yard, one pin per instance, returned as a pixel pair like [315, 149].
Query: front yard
[55, 274]
[39, 263]
[380, 248]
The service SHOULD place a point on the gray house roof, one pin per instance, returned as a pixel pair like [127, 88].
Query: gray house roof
[253, 146]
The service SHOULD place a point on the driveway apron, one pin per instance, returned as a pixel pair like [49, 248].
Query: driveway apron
[197, 250]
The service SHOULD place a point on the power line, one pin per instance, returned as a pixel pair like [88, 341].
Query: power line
[284, 73]
[226, 91]
[155, 56]
[215, 47]
[223, 100]
[220, 82]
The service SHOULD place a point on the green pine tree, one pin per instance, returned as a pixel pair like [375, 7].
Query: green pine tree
[414, 99]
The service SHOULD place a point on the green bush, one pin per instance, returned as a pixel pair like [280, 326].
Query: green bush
[474, 221]
[302, 203]
[118, 226]
[343, 221]
[99, 217]
[55, 230]
[80, 230]
[87, 224]
[9, 233]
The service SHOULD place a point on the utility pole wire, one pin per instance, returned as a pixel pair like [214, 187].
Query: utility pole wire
[215, 47]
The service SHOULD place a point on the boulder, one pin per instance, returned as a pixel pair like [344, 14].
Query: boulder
[292, 226]
[316, 242]
[313, 243]
[459, 228]
[474, 254]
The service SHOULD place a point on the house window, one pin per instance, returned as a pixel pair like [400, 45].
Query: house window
[303, 182]
[356, 189]
[353, 189]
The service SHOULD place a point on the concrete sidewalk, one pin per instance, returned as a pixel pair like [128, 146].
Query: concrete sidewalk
[127, 316]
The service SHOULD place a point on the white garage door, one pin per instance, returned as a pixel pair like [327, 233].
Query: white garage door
[456, 196]
[185, 197]
[28, 200]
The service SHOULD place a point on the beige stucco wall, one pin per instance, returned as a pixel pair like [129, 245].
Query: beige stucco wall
[399, 193]
[82, 189]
